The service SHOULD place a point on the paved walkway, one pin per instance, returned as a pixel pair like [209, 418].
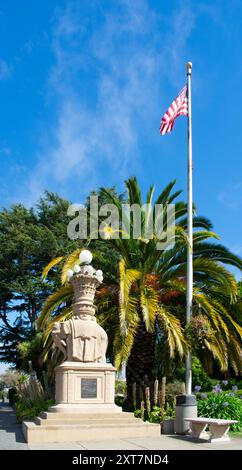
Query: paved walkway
[11, 438]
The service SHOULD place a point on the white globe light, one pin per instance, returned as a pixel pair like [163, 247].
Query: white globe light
[89, 270]
[99, 273]
[85, 257]
[77, 268]
[69, 273]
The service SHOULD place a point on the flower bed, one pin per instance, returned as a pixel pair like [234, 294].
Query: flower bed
[221, 404]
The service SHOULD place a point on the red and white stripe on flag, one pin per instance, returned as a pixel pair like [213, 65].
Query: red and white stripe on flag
[178, 107]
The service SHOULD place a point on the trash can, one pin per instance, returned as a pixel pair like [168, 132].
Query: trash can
[186, 407]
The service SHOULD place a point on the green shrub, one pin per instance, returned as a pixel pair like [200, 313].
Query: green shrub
[12, 395]
[32, 398]
[31, 391]
[155, 415]
[119, 400]
[137, 413]
[200, 377]
[237, 393]
[222, 406]
[120, 387]
[23, 411]
[232, 382]
[172, 389]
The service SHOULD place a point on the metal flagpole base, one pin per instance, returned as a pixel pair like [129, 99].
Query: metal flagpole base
[186, 407]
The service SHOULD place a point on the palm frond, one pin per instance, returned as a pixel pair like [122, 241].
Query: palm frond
[127, 303]
[123, 343]
[63, 316]
[207, 308]
[204, 235]
[50, 265]
[61, 296]
[134, 191]
[149, 306]
[217, 348]
[71, 260]
[198, 222]
[173, 331]
[218, 252]
[162, 198]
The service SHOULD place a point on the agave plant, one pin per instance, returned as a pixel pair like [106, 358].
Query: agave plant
[147, 302]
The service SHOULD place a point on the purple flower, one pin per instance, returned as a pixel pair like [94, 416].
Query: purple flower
[235, 388]
[225, 382]
[197, 388]
[203, 395]
[231, 394]
[225, 404]
[240, 397]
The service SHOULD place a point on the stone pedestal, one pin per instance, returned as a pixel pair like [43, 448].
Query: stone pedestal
[81, 387]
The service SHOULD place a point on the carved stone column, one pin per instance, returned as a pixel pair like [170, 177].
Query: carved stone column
[84, 381]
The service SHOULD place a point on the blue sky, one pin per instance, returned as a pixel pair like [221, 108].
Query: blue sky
[83, 85]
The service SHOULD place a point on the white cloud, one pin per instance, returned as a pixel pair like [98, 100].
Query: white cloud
[5, 70]
[237, 249]
[183, 23]
[231, 197]
[5, 151]
[126, 55]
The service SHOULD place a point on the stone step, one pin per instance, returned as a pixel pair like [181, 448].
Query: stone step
[79, 432]
[83, 420]
[85, 415]
[92, 426]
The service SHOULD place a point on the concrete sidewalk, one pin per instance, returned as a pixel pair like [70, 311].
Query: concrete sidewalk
[11, 438]
[142, 443]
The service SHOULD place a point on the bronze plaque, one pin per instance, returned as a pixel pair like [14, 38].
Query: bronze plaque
[88, 388]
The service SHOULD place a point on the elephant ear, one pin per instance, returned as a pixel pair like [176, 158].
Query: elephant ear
[57, 336]
[55, 327]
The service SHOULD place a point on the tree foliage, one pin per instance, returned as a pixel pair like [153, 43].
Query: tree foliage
[29, 239]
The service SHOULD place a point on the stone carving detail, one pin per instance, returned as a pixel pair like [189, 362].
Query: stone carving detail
[81, 338]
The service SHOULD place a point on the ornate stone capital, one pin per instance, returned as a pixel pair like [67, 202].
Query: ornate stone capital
[84, 287]
[81, 338]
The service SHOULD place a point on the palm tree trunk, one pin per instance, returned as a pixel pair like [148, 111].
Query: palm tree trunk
[140, 367]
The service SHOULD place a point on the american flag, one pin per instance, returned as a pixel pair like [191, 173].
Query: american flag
[177, 108]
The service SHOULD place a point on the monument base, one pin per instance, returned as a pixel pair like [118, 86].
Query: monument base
[84, 386]
[60, 427]
[85, 409]
[71, 409]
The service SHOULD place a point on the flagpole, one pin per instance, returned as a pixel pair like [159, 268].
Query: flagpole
[189, 227]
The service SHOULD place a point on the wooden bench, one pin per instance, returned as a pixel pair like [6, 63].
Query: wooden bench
[218, 428]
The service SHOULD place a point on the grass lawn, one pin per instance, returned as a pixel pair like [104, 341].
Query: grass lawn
[235, 434]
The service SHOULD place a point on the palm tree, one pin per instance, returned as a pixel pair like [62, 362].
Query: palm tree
[147, 302]
[152, 294]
